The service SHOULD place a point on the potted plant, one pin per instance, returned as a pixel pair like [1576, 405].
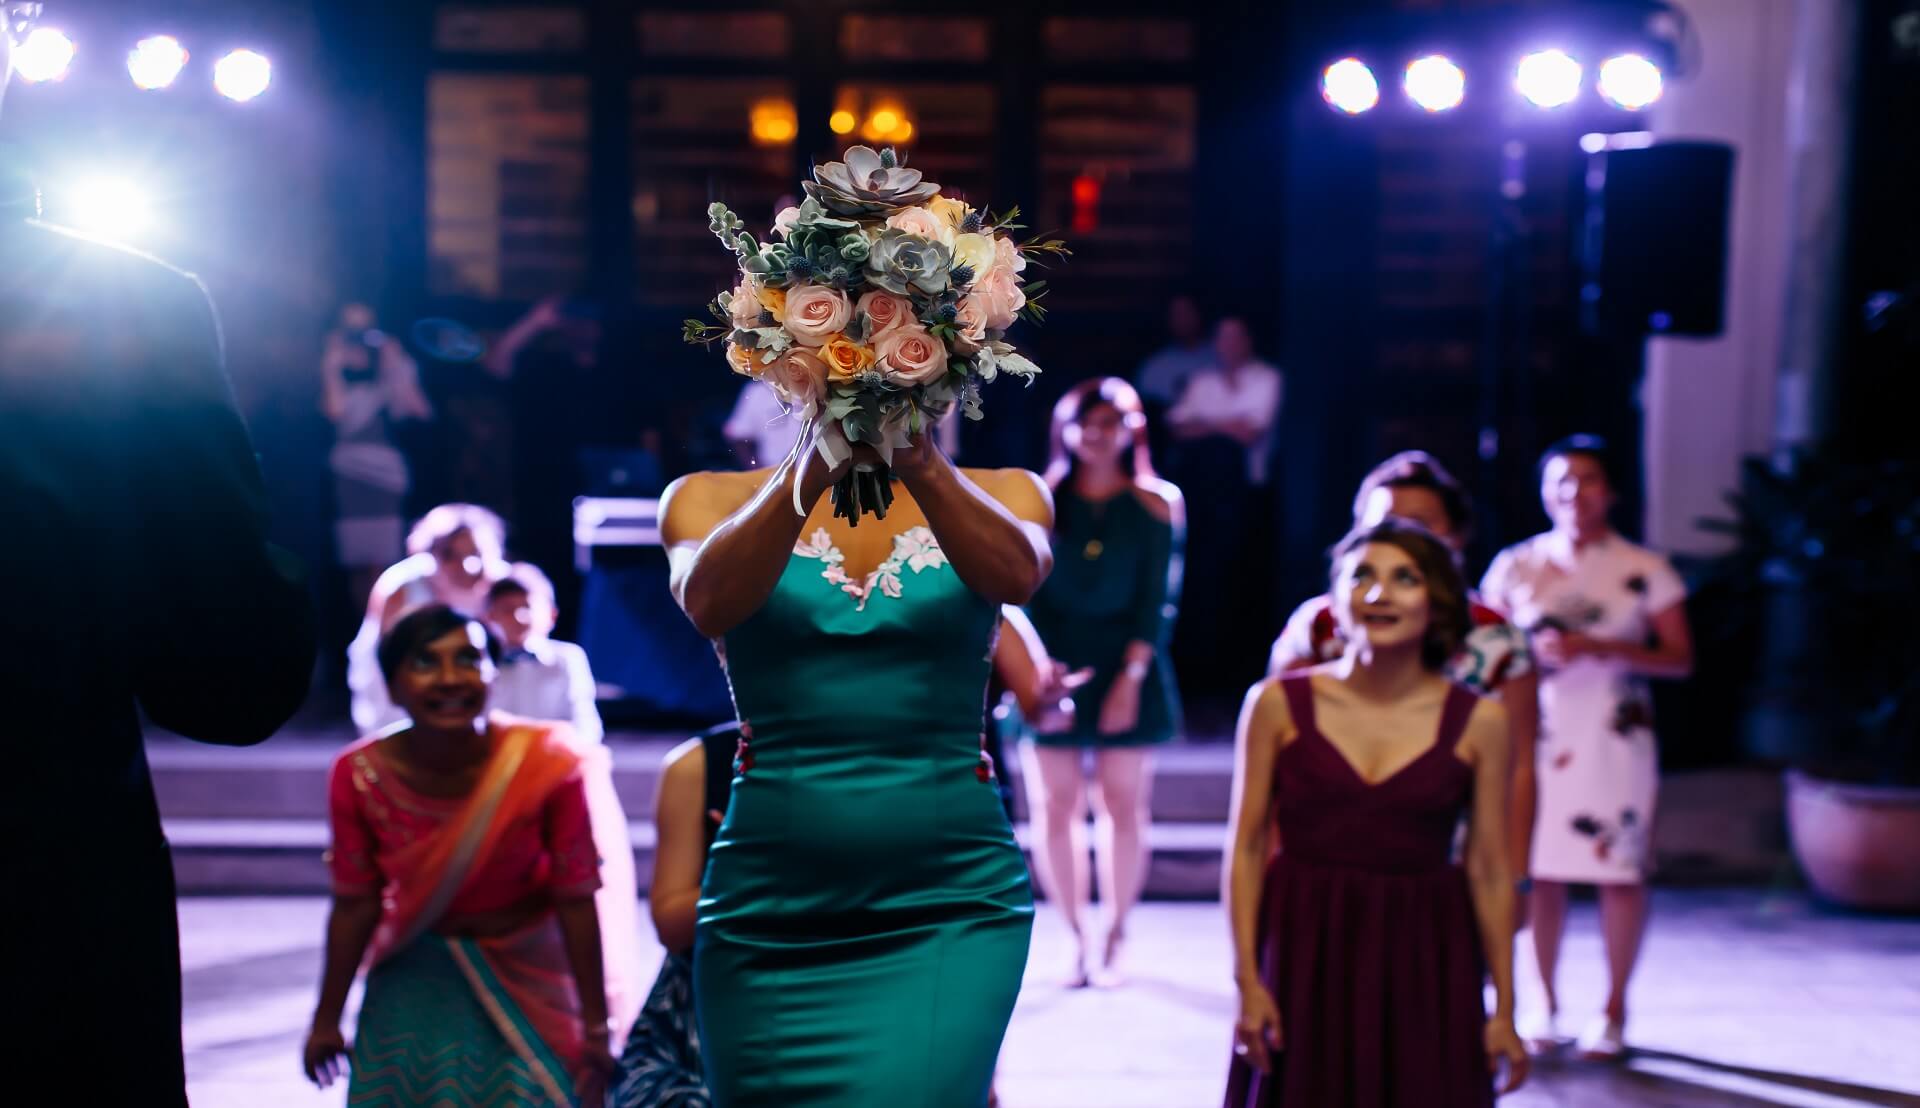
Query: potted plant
[1825, 578]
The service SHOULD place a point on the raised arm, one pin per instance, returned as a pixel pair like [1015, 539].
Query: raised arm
[725, 557]
[999, 538]
[1264, 724]
[1490, 878]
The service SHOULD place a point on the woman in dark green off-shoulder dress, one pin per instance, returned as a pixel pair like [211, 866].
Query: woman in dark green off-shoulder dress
[1106, 612]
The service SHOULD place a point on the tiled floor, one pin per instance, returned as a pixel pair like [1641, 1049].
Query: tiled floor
[1745, 999]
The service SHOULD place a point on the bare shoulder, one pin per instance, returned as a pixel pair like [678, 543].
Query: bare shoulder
[1161, 499]
[1486, 727]
[686, 761]
[1264, 712]
[1020, 491]
[692, 506]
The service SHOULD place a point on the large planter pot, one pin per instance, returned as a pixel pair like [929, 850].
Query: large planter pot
[1858, 844]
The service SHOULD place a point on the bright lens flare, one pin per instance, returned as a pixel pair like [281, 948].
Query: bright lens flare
[45, 56]
[155, 62]
[242, 75]
[1435, 83]
[1549, 78]
[1350, 86]
[110, 206]
[1630, 81]
[842, 122]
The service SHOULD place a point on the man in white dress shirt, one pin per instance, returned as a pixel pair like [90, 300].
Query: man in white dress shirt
[1239, 399]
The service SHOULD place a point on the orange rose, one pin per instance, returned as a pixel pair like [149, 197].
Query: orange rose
[845, 358]
[743, 361]
[775, 301]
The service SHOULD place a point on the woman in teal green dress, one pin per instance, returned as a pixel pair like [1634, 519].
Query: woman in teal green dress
[1106, 611]
[865, 912]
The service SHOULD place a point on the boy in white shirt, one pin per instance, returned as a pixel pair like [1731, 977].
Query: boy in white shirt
[540, 676]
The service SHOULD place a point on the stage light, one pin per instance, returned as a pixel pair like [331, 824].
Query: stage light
[1435, 83]
[155, 62]
[242, 75]
[113, 207]
[46, 55]
[1549, 78]
[1349, 86]
[886, 121]
[772, 122]
[843, 122]
[1630, 81]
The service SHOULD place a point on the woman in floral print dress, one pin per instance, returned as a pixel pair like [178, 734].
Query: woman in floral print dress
[1604, 615]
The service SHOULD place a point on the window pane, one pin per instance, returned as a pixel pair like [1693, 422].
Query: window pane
[1116, 166]
[912, 38]
[714, 35]
[946, 131]
[1118, 40]
[489, 29]
[693, 143]
[507, 183]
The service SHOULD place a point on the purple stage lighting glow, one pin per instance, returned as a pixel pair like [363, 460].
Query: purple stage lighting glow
[1435, 83]
[155, 62]
[1630, 81]
[242, 75]
[1548, 79]
[1350, 86]
[45, 56]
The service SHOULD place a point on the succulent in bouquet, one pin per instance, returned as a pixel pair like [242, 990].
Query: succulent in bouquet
[873, 309]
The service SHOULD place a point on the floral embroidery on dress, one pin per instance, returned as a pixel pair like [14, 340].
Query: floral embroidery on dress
[916, 549]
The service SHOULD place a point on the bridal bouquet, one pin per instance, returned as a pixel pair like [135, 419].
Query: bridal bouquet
[873, 309]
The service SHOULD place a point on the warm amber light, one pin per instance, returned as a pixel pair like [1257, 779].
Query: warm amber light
[772, 122]
[886, 121]
[842, 122]
[901, 133]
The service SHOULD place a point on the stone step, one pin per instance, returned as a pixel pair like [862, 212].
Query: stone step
[220, 856]
[287, 779]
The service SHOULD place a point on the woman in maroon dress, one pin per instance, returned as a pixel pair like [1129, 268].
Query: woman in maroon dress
[1361, 948]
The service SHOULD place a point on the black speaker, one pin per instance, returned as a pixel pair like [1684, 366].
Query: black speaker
[1655, 247]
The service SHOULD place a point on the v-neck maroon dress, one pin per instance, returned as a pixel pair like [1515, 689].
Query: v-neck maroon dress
[1367, 936]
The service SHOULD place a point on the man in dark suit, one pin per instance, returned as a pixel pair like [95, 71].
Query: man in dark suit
[137, 576]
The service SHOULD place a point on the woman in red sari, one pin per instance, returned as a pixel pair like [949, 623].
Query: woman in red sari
[464, 872]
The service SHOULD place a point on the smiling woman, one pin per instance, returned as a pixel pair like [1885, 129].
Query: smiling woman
[464, 871]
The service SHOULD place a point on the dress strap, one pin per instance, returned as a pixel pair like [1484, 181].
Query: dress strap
[1299, 693]
[1461, 702]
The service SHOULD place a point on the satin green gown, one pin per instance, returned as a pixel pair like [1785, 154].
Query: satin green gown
[865, 912]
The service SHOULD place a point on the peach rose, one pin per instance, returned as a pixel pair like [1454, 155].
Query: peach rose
[744, 306]
[911, 356]
[1000, 297]
[844, 358]
[920, 221]
[1006, 253]
[743, 361]
[815, 313]
[800, 377]
[884, 311]
[784, 221]
[969, 325]
[976, 252]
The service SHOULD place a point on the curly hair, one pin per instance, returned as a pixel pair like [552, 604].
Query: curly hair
[1451, 615]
